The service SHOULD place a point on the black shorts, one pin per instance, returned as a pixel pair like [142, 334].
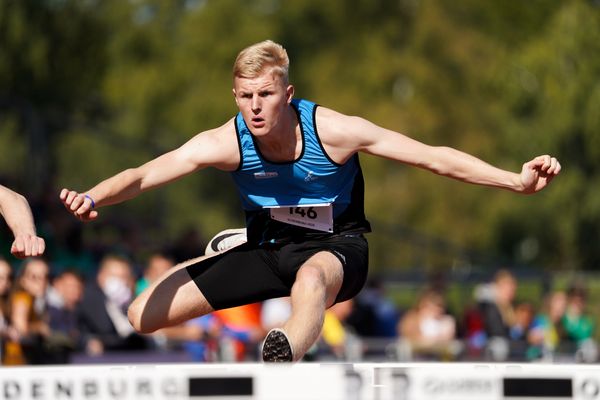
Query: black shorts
[249, 273]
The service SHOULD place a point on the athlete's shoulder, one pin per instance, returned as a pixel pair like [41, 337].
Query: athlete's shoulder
[333, 124]
[217, 147]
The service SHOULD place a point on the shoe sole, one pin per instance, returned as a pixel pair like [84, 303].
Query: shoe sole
[277, 347]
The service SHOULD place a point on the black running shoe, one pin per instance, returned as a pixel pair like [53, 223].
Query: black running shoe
[277, 347]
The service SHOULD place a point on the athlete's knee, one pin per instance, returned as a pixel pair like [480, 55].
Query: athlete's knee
[134, 313]
[310, 279]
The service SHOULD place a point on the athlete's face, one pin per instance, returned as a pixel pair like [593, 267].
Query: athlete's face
[262, 101]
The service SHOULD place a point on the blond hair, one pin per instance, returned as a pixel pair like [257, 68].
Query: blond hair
[255, 59]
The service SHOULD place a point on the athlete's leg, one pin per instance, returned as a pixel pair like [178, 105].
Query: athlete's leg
[171, 300]
[317, 284]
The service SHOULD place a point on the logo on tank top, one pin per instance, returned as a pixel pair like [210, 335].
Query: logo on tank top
[265, 175]
[310, 177]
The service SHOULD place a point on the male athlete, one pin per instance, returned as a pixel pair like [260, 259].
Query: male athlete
[15, 210]
[296, 167]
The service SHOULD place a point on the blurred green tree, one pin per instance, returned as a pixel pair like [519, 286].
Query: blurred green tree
[88, 88]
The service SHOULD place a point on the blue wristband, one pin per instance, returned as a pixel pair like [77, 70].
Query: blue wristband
[87, 196]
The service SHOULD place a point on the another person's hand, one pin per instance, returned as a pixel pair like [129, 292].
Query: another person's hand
[78, 204]
[538, 173]
[27, 245]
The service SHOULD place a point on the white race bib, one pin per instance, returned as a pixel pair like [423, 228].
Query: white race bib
[313, 216]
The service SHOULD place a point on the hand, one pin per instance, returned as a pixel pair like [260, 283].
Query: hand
[538, 173]
[27, 245]
[78, 205]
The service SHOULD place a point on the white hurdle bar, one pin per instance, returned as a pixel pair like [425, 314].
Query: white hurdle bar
[306, 381]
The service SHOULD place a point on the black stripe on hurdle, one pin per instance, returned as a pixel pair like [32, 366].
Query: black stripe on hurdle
[538, 387]
[239, 386]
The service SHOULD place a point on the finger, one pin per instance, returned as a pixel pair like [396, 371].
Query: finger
[41, 246]
[542, 157]
[90, 216]
[85, 206]
[14, 249]
[535, 163]
[552, 165]
[547, 163]
[541, 162]
[70, 197]
[558, 168]
[28, 246]
[553, 168]
[77, 202]
[63, 194]
[34, 247]
[19, 245]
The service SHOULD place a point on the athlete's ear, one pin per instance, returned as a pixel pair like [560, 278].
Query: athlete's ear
[289, 92]
[235, 97]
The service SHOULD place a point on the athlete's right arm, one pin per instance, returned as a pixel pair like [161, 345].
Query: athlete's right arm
[214, 148]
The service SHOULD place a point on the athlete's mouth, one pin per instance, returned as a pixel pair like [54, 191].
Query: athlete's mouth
[257, 121]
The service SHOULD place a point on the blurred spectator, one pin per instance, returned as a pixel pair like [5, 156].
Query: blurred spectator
[242, 332]
[473, 330]
[578, 327]
[102, 315]
[28, 315]
[335, 334]
[518, 342]
[158, 264]
[497, 311]
[64, 296]
[428, 329]
[546, 332]
[524, 313]
[5, 285]
[275, 312]
[373, 315]
[496, 305]
[200, 338]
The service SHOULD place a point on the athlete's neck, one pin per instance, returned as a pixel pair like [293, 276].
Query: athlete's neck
[285, 142]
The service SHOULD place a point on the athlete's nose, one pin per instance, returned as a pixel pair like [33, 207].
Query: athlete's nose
[256, 106]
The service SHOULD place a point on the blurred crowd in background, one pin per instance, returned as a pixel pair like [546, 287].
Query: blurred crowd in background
[88, 88]
[55, 315]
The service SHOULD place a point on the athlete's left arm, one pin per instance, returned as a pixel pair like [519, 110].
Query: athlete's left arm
[344, 135]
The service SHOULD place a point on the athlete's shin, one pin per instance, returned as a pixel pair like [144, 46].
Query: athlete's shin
[308, 296]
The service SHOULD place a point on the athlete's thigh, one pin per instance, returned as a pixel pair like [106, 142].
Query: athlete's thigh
[350, 250]
[172, 299]
[239, 276]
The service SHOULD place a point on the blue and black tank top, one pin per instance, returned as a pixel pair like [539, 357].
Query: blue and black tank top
[312, 178]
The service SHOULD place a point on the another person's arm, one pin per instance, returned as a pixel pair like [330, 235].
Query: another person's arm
[216, 148]
[346, 135]
[15, 210]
